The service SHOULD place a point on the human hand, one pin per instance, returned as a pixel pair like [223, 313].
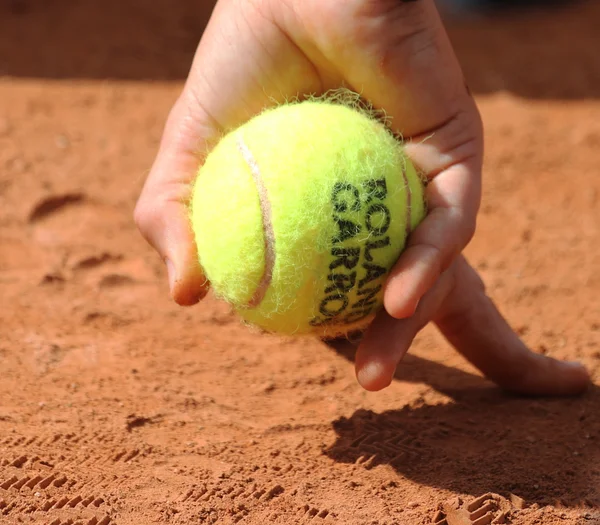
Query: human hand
[256, 53]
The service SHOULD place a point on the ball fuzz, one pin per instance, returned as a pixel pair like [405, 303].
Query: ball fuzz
[299, 215]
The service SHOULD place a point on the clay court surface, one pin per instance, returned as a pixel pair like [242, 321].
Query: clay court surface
[119, 408]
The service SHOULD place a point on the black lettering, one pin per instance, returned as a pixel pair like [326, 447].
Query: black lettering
[357, 315]
[376, 189]
[345, 198]
[374, 272]
[342, 282]
[347, 257]
[329, 308]
[381, 223]
[348, 229]
[342, 192]
[318, 321]
[369, 300]
[374, 245]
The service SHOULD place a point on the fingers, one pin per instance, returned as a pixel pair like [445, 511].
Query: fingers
[474, 326]
[384, 345]
[387, 340]
[454, 198]
[471, 322]
[400, 58]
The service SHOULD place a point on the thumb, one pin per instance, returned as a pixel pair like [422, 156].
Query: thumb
[162, 213]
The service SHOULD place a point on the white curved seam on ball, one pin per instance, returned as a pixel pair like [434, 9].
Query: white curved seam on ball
[267, 223]
[408, 226]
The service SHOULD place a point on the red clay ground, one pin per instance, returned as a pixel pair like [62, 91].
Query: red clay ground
[117, 407]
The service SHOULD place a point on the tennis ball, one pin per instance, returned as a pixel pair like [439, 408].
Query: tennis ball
[299, 215]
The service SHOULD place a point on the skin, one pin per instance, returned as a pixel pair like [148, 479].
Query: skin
[255, 53]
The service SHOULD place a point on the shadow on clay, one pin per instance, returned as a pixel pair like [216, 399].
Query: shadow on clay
[543, 450]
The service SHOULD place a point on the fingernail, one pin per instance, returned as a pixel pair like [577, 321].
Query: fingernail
[408, 312]
[400, 307]
[374, 376]
[171, 273]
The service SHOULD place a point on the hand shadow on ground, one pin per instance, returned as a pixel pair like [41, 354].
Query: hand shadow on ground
[545, 450]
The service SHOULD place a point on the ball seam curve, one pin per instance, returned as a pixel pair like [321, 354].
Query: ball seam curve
[408, 226]
[267, 224]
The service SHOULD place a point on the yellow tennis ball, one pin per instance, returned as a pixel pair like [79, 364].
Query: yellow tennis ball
[299, 215]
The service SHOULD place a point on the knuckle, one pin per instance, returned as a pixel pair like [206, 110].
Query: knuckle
[463, 226]
[462, 135]
[436, 257]
[385, 25]
[408, 13]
